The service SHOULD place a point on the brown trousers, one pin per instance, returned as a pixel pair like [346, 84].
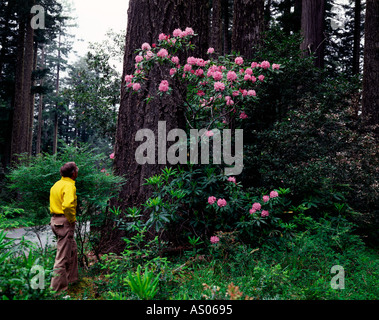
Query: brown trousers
[66, 260]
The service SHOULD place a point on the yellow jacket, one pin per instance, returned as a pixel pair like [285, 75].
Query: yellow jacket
[63, 199]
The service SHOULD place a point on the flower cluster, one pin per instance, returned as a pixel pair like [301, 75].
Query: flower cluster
[220, 202]
[258, 206]
[224, 85]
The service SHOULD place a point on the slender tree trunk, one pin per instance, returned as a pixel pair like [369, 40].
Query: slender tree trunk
[248, 26]
[227, 38]
[370, 99]
[32, 100]
[55, 134]
[357, 36]
[312, 26]
[40, 107]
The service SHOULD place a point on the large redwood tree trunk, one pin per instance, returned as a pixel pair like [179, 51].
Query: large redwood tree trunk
[312, 26]
[248, 26]
[146, 20]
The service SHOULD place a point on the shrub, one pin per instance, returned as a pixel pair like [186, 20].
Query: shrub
[95, 185]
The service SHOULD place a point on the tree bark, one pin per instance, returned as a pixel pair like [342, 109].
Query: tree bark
[216, 33]
[370, 99]
[248, 26]
[146, 20]
[312, 26]
[225, 10]
[357, 36]
[40, 107]
[22, 104]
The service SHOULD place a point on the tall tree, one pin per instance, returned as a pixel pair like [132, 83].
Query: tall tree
[312, 26]
[248, 26]
[22, 104]
[370, 99]
[146, 20]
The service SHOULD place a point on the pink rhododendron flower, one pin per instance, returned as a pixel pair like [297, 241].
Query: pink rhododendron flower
[103, 170]
[235, 93]
[253, 79]
[136, 86]
[257, 206]
[163, 86]
[251, 211]
[265, 64]
[199, 72]
[209, 133]
[148, 55]
[162, 53]
[200, 93]
[177, 33]
[187, 67]
[239, 60]
[217, 75]
[221, 203]
[215, 239]
[128, 78]
[138, 58]
[145, 46]
[191, 60]
[243, 115]
[251, 93]
[172, 71]
[274, 194]
[188, 32]
[254, 64]
[201, 62]
[162, 36]
[232, 179]
[261, 77]
[211, 200]
[111, 155]
[231, 76]
[210, 50]
[249, 71]
[265, 198]
[219, 86]
[275, 66]
[264, 213]
[247, 77]
[175, 60]
[229, 102]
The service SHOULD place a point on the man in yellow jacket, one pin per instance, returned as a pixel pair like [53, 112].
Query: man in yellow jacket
[63, 202]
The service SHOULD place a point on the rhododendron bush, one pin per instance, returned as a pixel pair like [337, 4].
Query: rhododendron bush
[220, 92]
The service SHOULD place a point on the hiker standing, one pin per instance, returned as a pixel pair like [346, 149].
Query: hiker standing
[63, 201]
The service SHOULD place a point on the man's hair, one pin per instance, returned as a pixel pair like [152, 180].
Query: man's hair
[68, 169]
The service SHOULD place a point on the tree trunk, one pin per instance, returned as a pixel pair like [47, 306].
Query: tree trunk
[225, 9]
[248, 26]
[55, 134]
[146, 20]
[370, 100]
[216, 33]
[23, 82]
[40, 106]
[357, 36]
[312, 26]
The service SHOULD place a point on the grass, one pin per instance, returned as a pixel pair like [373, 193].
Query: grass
[292, 268]
[297, 270]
